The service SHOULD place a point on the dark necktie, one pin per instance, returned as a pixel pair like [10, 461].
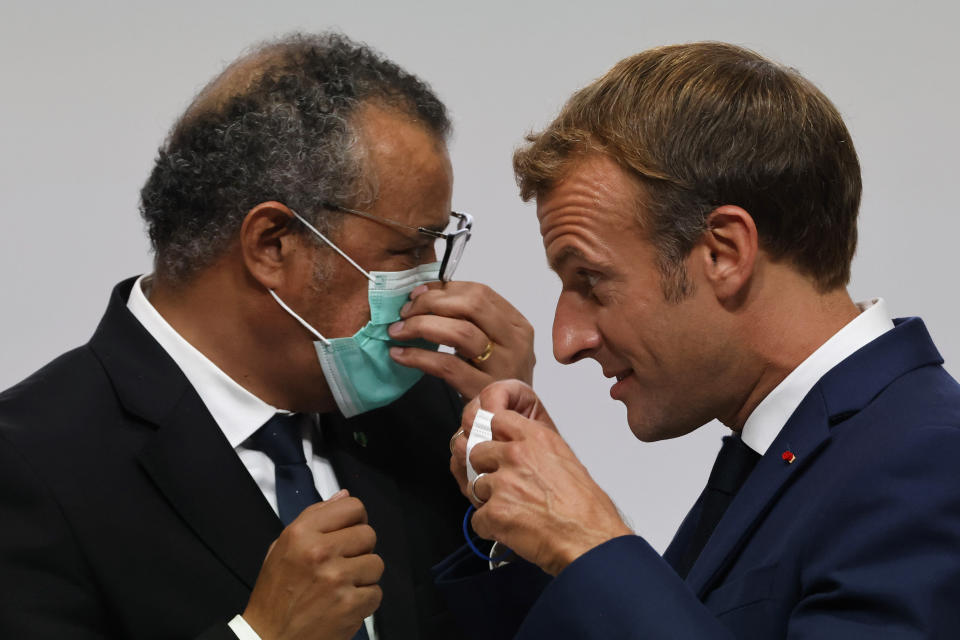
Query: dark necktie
[734, 463]
[281, 438]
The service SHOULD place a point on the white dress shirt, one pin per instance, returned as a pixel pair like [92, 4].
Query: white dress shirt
[770, 416]
[236, 411]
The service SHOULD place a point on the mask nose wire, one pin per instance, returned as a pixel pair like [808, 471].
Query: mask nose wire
[332, 246]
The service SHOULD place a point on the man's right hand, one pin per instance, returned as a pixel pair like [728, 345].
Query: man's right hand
[319, 579]
[534, 495]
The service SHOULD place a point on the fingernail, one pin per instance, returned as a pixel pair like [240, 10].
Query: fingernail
[395, 328]
[404, 310]
[416, 292]
[343, 493]
[396, 351]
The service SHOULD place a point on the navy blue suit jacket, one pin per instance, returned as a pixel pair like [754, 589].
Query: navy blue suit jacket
[858, 538]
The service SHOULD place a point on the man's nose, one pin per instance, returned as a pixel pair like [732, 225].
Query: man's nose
[575, 334]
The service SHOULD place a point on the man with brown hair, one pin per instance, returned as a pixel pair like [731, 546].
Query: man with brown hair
[699, 205]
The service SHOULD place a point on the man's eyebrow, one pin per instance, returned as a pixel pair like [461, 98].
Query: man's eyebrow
[566, 254]
[570, 253]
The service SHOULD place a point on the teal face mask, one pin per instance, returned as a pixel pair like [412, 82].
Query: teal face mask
[359, 370]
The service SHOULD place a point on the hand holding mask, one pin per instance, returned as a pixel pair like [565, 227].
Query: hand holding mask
[533, 494]
[358, 369]
[493, 340]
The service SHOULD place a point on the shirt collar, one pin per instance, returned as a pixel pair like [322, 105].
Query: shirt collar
[237, 411]
[766, 421]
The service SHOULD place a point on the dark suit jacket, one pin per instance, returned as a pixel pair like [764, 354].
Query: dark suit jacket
[124, 512]
[858, 538]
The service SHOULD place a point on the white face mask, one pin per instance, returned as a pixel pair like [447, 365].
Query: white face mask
[359, 370]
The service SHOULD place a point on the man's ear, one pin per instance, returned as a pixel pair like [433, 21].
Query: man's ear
[729, 248]
[267, 242]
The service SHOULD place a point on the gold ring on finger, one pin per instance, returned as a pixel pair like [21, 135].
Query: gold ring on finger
[487, 350]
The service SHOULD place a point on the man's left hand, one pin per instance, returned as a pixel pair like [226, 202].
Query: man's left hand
[537, 498]
[477, 322]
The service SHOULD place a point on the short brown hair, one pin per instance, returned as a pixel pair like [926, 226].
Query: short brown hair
[706, 124]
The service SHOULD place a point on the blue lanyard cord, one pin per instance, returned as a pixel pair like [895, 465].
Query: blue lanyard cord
[473, 547]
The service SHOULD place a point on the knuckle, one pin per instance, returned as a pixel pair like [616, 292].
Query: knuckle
[464, 334]
[320, 553]
[354, 602]
[368, 536]
[374, 599]
[309, 517]
[295, 533]
[356, 507]
[414, 308]
[513, 453]
[473, 306]
[411, 324]
[379, 565]
[424, 303]
[328, 577]
[527, 327]
[481, 522]
[313, 509]
[500, 519]
[490, 392]
[522, 326]
[494, 518]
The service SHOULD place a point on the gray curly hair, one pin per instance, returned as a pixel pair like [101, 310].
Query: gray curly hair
[277, 124]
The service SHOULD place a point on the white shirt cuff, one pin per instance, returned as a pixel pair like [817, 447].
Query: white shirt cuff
[243, 630]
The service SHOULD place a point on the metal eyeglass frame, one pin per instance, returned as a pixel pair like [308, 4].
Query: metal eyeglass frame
[464, 226]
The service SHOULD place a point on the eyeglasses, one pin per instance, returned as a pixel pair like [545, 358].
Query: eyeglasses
[454, 242]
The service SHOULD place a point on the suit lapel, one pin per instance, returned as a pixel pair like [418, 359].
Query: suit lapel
[188, 457]
[203, 479]
[681, 539]
[805, 435]
[840, 394]
[382, 499]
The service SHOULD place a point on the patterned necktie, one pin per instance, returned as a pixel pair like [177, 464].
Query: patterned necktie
[281, 438]
[734, 463]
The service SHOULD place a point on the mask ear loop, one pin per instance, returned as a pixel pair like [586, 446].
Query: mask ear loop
[332, 246]
[293, 313]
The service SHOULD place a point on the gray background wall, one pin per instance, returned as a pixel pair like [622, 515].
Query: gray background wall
[89, 90]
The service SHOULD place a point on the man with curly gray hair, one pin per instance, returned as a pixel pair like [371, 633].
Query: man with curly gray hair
[221, 458]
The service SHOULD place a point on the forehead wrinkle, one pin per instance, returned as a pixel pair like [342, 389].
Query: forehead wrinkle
[573, 228]
[587, 210]
[577, 244]
[406, 159]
